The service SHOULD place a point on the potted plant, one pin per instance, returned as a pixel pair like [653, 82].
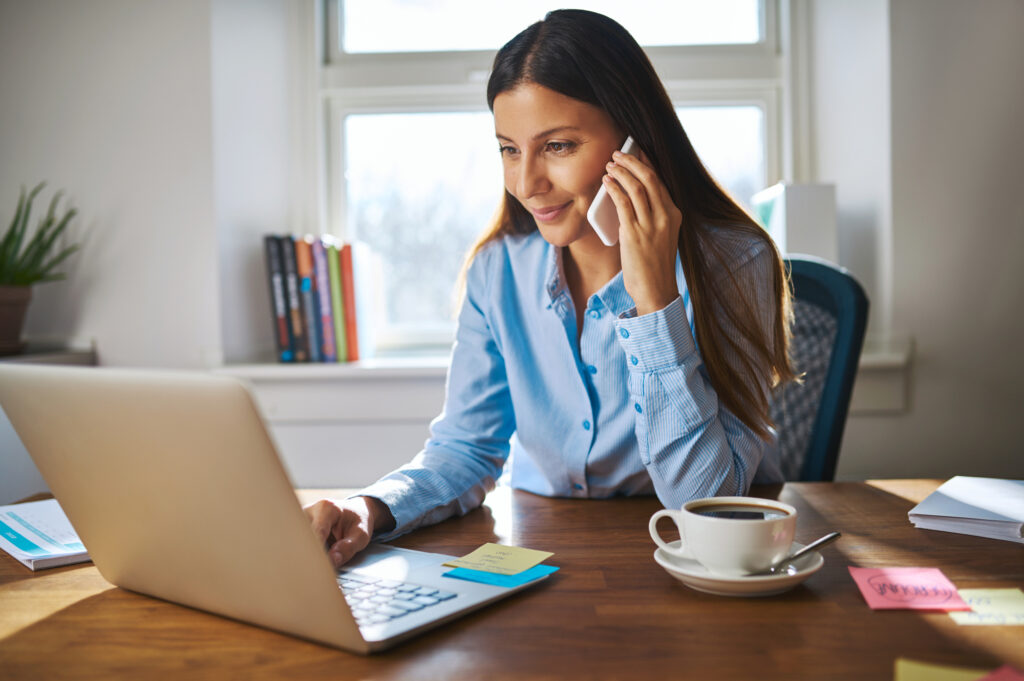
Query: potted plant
[27, 261]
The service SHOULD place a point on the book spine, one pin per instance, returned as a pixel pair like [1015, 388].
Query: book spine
[323, 289]
[278, 301]
[348, 292]
[300, 347]
[308, 297]
[337, 302]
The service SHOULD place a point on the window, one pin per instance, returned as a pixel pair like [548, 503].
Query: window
[410, 160]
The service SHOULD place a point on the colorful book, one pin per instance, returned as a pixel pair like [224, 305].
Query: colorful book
[337, 299]
[308, 296]
[322, 275]
[278, 301]
[348, 294]
[300, 345]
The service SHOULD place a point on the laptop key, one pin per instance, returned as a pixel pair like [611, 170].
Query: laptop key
[425, 600]
[391, 611]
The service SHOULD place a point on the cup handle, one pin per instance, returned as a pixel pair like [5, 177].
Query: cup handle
[652, 527]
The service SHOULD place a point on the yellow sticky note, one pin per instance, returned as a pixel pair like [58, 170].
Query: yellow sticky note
[500, 559]
[912, 670]
[999, 607]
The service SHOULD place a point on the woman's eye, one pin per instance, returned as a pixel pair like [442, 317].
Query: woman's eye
[560, 147]
[506, 150]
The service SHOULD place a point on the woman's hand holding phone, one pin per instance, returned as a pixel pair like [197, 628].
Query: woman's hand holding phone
[649, 224]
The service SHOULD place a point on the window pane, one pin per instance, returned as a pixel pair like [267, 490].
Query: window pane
[730, 141]
[448, 25]
[420, 188]
[420, 206]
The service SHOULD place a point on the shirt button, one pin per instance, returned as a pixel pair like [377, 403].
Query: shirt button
[594, 314]
[624, 333]
[636, 405]
[592, 369]
[586, 425]
[634, 360]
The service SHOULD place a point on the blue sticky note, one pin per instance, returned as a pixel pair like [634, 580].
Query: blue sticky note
[508, 581]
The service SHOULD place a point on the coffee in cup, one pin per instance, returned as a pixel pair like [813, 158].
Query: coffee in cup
[732, 536]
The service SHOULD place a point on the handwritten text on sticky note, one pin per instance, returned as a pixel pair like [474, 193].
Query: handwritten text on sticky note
[500, 559]
[907, 588]
[999, 607]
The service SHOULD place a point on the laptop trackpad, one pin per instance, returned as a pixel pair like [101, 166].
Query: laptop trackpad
[391, 562]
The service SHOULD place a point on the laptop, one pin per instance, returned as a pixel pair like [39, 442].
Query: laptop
[174, 485]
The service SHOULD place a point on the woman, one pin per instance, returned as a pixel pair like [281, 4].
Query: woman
[638, 368]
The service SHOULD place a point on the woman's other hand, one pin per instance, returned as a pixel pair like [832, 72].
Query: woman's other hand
[649, 225]
[346, 527]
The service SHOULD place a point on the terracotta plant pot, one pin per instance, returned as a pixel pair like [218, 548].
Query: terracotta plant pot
[13, 306]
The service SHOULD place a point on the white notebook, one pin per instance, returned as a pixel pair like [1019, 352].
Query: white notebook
[984, 507]
[39, 535]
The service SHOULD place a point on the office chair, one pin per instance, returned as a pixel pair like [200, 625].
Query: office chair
[829, 319]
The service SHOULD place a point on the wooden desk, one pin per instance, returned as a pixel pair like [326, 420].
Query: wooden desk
[610, 613]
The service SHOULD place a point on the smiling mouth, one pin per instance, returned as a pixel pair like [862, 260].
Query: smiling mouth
[551, 213]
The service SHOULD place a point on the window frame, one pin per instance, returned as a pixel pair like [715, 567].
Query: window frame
[412, 82]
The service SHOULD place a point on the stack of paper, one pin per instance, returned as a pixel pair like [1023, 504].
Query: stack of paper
[39, 535]
[984, 507]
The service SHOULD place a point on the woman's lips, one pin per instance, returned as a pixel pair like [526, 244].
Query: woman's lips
[550, 213]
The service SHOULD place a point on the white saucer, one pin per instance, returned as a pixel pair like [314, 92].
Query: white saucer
[696, 576]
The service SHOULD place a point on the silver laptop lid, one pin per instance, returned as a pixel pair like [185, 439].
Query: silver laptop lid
[175, 488]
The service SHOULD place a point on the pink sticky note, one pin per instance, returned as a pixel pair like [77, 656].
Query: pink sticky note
[907, 588]
[1004, 673]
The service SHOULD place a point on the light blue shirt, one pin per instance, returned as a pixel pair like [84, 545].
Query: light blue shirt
[628, 410]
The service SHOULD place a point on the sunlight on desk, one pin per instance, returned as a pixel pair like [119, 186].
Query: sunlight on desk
[28, 601]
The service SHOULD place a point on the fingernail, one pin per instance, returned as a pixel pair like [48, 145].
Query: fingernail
[616, 154]
[606, 178]
[335, 556]
[610, 165]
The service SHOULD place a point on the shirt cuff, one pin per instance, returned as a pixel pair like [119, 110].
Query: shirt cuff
[391, 493]
[658, 340]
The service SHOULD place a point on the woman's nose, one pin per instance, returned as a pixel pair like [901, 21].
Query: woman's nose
[532, 178]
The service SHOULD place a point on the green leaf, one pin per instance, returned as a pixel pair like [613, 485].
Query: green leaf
[24, 259]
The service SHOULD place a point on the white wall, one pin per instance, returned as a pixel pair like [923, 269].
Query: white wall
[957, 224]
[110, 100]
[174, 128]
[850, 119]
[264, 132]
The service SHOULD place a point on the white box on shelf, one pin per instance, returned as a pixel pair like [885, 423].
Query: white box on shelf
[801, 218]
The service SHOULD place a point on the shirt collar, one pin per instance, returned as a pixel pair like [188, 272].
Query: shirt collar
[613, 295]
[554, 275]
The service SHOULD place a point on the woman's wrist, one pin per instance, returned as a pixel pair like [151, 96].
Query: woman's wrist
[379, 515]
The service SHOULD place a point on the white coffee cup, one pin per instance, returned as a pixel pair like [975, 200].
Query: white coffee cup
[732, 536]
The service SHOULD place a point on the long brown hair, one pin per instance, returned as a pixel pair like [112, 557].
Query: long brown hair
[589, 57]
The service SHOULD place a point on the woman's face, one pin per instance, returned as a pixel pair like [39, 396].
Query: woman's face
[554, 150]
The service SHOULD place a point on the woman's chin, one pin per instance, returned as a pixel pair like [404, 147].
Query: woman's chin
[564, 233]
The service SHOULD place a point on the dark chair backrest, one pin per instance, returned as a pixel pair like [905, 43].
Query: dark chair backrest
[830, 312]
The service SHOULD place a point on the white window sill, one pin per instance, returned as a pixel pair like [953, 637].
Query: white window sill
[883, 378]
[882, 385]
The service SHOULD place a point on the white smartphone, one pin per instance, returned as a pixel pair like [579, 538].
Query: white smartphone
[602, 214]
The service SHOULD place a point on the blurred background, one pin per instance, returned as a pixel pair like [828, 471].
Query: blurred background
[184, 131]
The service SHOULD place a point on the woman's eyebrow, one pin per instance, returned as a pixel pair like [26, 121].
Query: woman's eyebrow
[544, 133]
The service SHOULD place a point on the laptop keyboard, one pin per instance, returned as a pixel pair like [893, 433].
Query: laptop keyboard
[374, 600]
